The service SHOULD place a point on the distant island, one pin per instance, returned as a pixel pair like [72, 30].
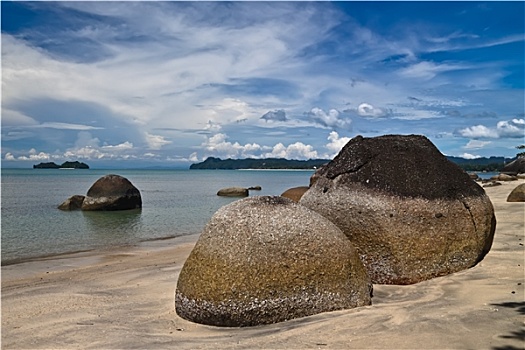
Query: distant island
[492, 164]
[65, 165]
[250, 163]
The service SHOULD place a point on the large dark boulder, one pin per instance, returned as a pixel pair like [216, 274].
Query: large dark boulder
[112, 192]
[411, 213]
[517, 166]
[268, 259]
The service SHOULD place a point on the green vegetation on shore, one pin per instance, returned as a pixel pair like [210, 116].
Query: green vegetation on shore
[65, 165]
[492, 164]
[249, 163]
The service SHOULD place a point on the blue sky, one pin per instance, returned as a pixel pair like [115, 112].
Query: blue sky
[130, 84]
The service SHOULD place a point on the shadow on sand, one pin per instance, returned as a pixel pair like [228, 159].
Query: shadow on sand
[519, 334]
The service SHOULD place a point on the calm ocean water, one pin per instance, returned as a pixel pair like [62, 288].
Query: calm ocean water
[174, 203]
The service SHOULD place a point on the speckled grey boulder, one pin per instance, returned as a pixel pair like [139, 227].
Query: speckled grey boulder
[412, 214]
[268, 259]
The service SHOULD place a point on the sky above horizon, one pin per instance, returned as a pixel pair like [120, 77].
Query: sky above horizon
[171, 83]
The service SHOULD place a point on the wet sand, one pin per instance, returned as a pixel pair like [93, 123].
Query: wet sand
[124, 299]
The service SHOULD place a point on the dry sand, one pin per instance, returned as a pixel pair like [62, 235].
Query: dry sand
[125, 300]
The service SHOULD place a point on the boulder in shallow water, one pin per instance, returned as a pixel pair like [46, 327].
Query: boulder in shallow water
[72, 203]
[411, 213]
[233, 192]
[268, 259]
[112, 192]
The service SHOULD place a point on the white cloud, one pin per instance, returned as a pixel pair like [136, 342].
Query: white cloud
[193, 157]
[478, 131]
[120, 147]
[336, 144]
[33, 155]
[297, 150]
[219, 146]
[504, 129]
[330, 119]
[510, 129]
[155, 142]
[212, 127]
[9, 156]
[469, 156]
[367, 110]
[476, 144]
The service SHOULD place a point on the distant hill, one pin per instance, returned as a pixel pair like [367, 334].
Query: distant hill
[481, 164]
[250, 163]
[65, 165]
[477, 164]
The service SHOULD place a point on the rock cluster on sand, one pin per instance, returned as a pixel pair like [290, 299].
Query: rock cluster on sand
[268, 259]
[412, 214]
[110, 192]
[517, 194]
[504, 177]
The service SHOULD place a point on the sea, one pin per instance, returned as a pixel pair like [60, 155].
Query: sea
[174, 203]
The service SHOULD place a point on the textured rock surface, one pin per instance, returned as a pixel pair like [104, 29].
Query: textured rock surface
[233, 192]
[72, 203]
[411, 213]
[267, 259]
[517, 166]
[295, 193]
[112, 192]
[517, 194]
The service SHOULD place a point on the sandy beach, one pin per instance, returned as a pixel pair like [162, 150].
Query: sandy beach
[125, 300]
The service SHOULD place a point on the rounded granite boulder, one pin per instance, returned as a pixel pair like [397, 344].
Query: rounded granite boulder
[112, 192]
[295, 193]
[517, 194]
[267, 259]
[411, 213]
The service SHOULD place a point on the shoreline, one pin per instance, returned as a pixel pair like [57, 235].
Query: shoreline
[71, 254]
[87, 258]
[124, 298]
